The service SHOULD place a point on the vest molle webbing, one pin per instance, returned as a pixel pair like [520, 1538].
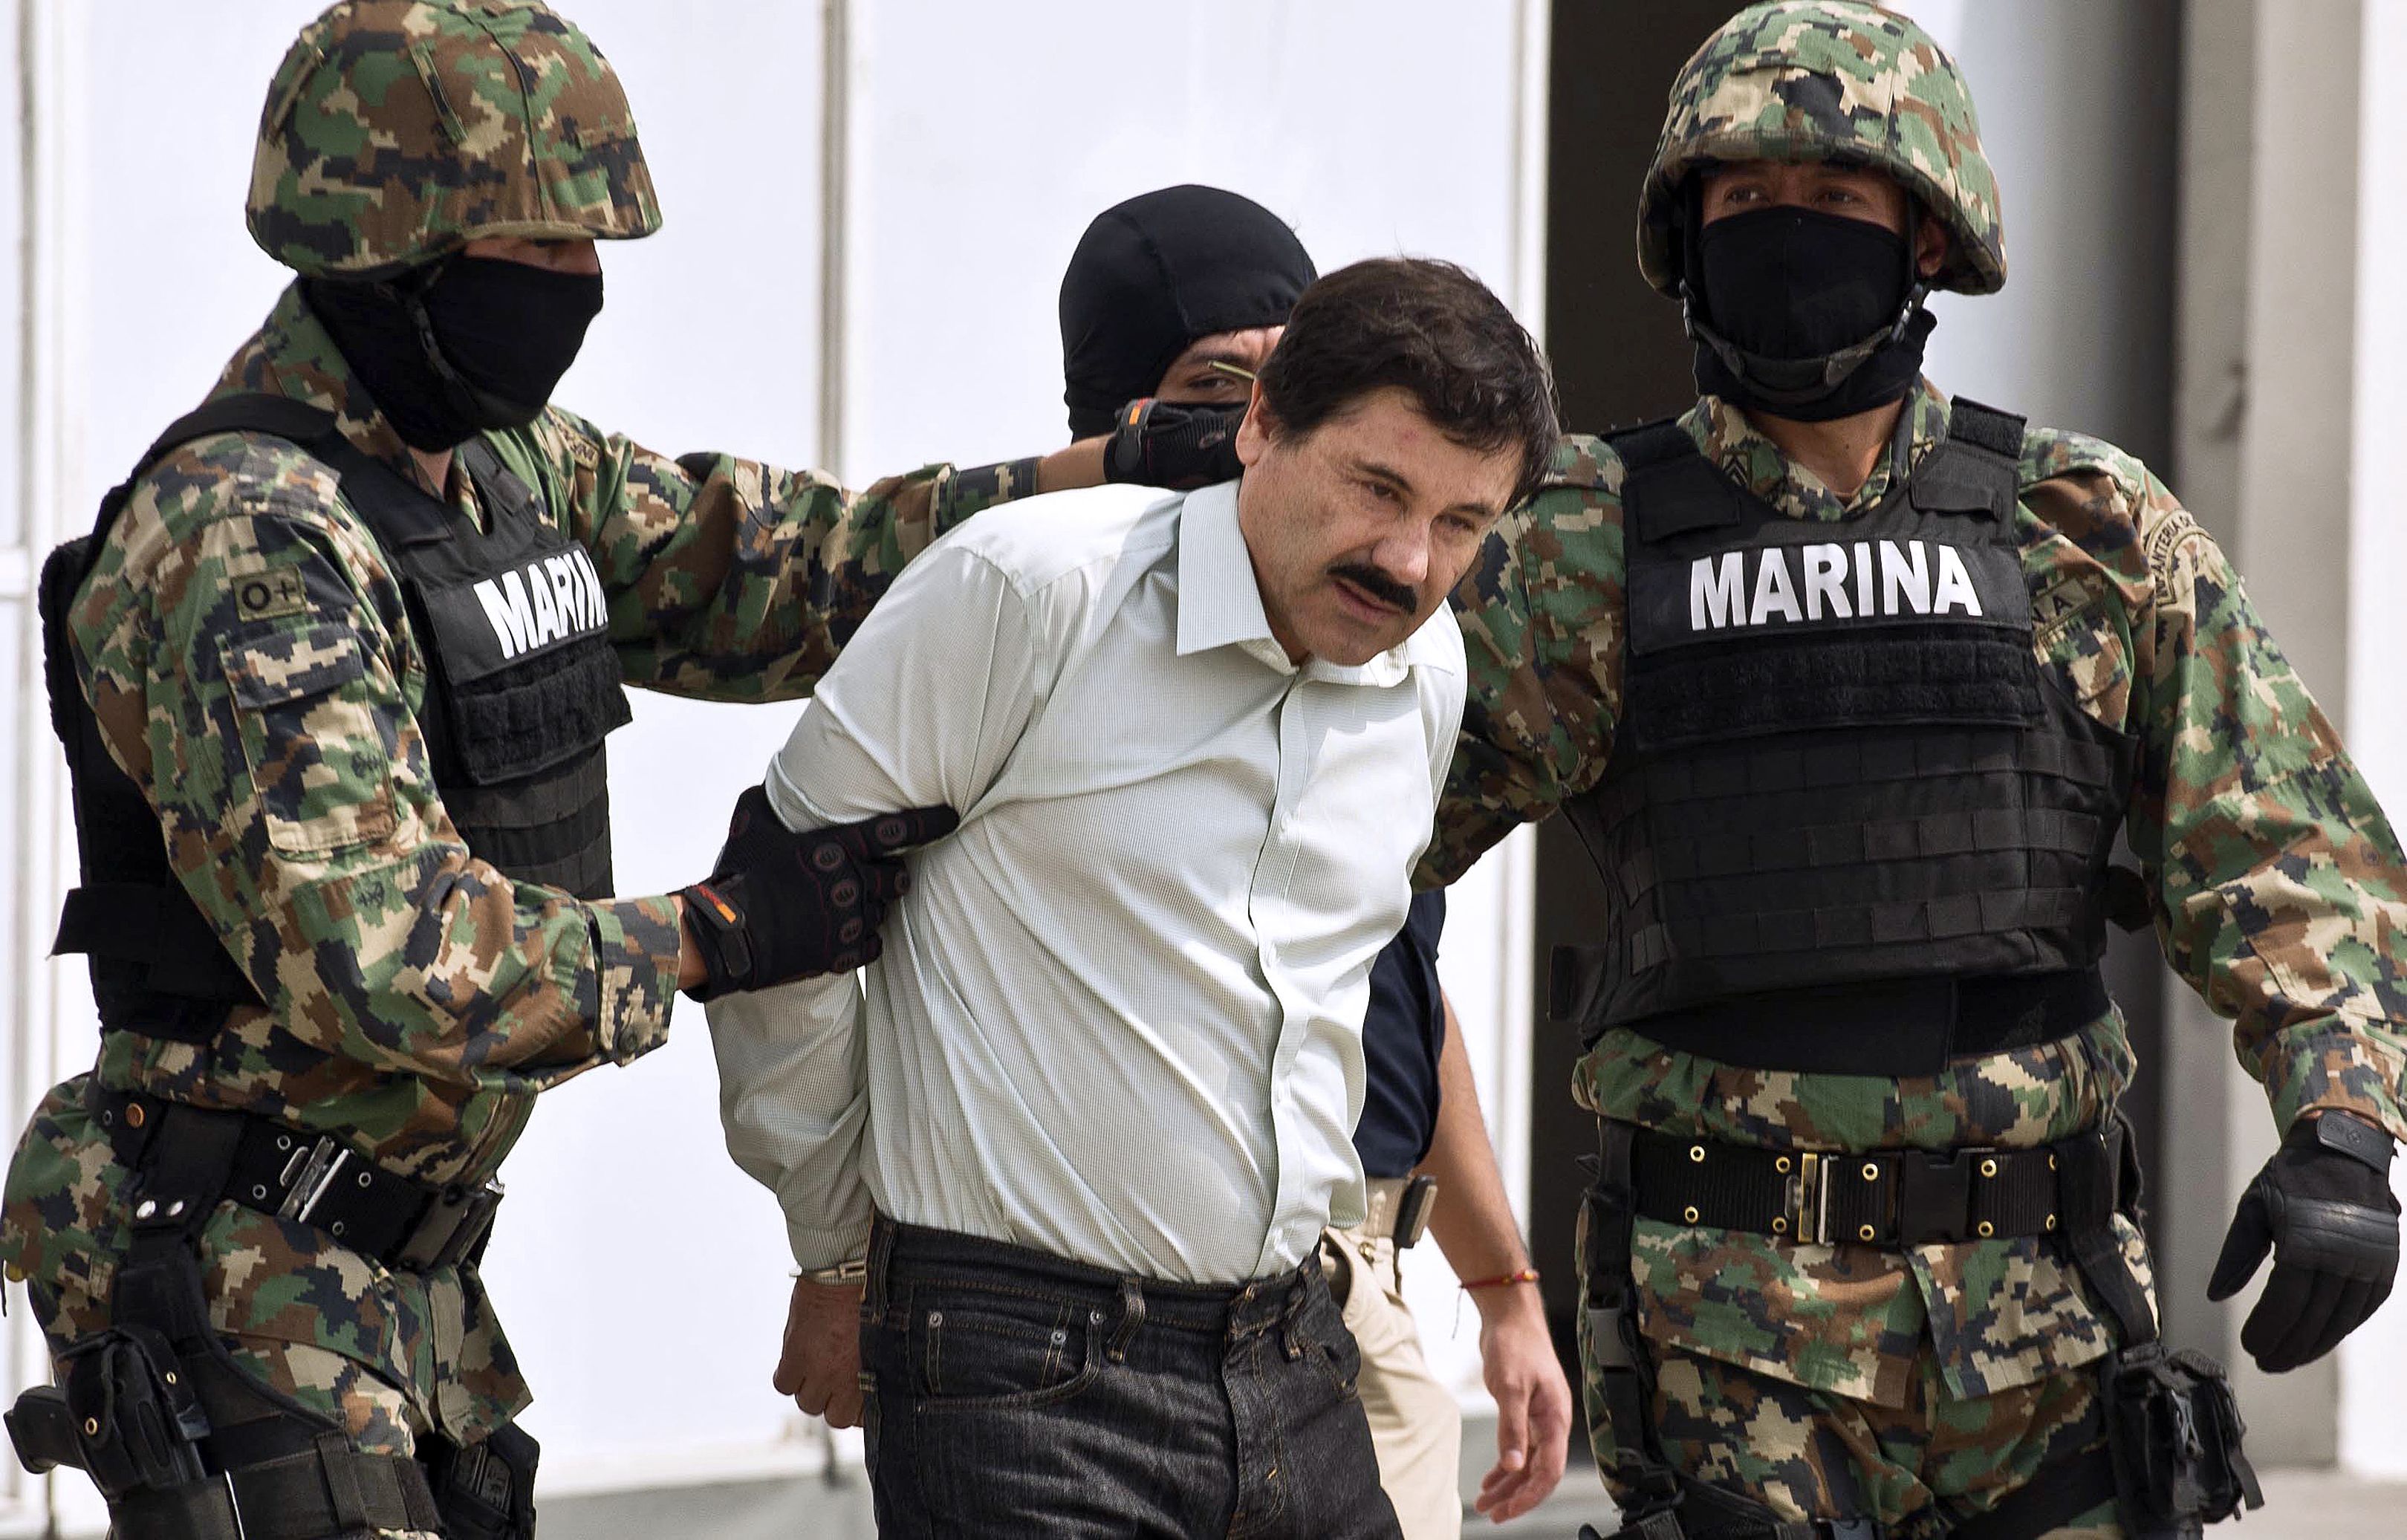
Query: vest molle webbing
[1848, 823]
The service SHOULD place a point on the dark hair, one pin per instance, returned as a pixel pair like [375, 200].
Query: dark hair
[1424, 327]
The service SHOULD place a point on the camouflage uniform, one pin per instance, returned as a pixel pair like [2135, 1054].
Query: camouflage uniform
[416, 998]
[1922, 1387]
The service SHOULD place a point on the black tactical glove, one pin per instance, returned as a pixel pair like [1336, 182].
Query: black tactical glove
[781, 905]
[1156, 444]
[2323, 1204]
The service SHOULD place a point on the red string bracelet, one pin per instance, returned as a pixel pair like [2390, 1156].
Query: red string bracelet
[1504, 1280]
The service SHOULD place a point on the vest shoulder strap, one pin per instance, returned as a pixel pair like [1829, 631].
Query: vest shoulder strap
[277, 416]
[1977, 470]
[1985, 428]
[503, 492]
[1668, 488]
[400, 512]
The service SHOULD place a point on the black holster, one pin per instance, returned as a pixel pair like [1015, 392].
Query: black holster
[485, 1490]
[182, 1440]
[2175, 1430]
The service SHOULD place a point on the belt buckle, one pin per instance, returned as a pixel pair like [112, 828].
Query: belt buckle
[307, 1175]
[453, 1223]
[1809, 1199]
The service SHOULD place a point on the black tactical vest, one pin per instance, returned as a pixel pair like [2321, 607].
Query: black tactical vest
[521, 687]
[1848, 823]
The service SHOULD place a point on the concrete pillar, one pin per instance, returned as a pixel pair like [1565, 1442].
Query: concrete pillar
[2267, 347]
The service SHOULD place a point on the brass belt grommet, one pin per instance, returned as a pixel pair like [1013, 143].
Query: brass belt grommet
[2051, 1221]
[1782, 1164]
[1866, 1231]
[1697, 1154]
[135, 1116]
[2051, 1161]
[1779, 1225]
[1689, 1213]
[1987, 1229]
[1988, 1168]
[1872, 1171]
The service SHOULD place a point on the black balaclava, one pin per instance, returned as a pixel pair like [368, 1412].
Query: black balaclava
[466, 345]
[1152, 274]
[1802, 314]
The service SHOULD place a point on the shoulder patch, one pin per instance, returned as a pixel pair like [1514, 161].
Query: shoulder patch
[2163, 539]
[269, 593]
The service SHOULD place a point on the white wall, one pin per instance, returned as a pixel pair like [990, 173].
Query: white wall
[641, 1277]
[2373, 1363]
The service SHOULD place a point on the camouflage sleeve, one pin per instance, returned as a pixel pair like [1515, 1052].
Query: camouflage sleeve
[249, 659]
[1541, 614]
[734, 581]
[2282, 891]
[983, 487]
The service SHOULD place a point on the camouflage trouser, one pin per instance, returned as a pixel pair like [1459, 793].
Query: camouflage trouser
[1935, 1461]
[377, 1415]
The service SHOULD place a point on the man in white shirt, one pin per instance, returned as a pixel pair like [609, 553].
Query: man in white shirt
[1101, 1089]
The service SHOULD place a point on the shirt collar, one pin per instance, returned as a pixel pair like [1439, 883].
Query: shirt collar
[1220, 603]
[1744, 455]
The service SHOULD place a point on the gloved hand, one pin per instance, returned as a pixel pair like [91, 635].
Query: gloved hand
[1157, 443]
[2323, 1204]
[781, 905]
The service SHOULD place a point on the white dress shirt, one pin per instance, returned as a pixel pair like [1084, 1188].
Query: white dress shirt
[1120, 1014]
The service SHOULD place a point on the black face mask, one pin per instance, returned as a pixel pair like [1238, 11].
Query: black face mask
[1804, 315]
[476, 343]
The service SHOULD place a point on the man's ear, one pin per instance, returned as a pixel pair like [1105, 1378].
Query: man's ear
[1254, 434]
[1930, 247]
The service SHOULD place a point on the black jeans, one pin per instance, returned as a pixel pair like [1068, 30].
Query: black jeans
[1011, 1392]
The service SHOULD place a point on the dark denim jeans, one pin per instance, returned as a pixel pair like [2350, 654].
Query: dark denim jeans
[1011, 1392]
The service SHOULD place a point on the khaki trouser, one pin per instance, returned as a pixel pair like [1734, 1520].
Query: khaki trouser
[1415, 1425]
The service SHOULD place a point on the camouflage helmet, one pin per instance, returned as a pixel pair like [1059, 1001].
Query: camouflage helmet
[399, 130]
[1829, 80]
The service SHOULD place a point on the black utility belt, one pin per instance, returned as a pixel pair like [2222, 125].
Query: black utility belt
[308, 1179]
[1889, 1198]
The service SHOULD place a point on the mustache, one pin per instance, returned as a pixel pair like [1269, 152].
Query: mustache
[1377, 584]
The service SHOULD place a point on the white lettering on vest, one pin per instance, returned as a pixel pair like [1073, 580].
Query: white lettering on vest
[549, 599]
[1955, 585]
[1743, 590]
[597, 608]
[505, 608]
[1899, 575]
[1772, 589]
[569, 591]
[1717, 593]
[1826, 580]
[547, 626]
